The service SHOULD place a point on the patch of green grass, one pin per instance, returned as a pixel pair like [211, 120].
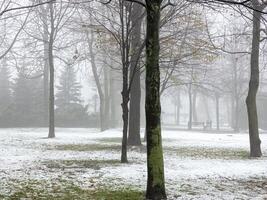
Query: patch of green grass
[87, 147]
[72, 164]
[188, 189]
[96, 147]
[210, 153]
[109, 140]
[41, 190]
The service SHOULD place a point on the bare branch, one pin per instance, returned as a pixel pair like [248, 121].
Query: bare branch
[25, 7]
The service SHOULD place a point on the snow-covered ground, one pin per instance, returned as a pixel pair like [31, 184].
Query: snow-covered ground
[197, 165]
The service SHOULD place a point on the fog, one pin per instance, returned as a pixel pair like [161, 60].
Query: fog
[133, 99]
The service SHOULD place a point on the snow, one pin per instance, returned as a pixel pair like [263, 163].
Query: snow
[24, 152]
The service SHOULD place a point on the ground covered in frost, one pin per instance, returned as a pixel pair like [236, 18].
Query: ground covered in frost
[85, 164]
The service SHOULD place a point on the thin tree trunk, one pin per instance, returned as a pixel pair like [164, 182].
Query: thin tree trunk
[46, 64]
[190, 107]
[106, 99]
[90, 41]
[125, 113]
[134, 138]
[255, 142]
[178, 104]
[194, 109]
[236, 98]
[125, 90]
[51, 70]
[232, 112]
[113, 100]
[46, 87]
[237, 124]
[217, 99]
[155, 163]
[206, 106]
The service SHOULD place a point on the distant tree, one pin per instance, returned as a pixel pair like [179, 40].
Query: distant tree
[69, 90]
[69, 110]
[27, 101]
[5, 92]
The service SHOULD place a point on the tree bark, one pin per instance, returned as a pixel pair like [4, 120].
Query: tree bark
[106, 98]
[178, 105]
[190, 107]
[236, 97]
[45, 34]
[125, 89]
[134, 138]
[194, 109]
[155, 163]
[97, 81]
[217, 99]
[255, 142]
[51, 70]
[114, 106]
[125, 117]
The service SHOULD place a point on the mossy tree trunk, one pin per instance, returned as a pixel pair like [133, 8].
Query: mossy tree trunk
[155, 162]
[255, 142]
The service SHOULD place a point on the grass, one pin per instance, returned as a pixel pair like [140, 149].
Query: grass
[183, 151]
[96, 147]
[110, 140]
[73, 164]
[207, 152]
[41, 190]
[188, 189]
[87, 147]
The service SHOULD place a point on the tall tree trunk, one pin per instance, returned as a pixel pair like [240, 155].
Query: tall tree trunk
[135, 90]
[232, 112]
[125, 68]
[255, 142]
[113, 88]
[90, 41]
[190, 114]
[237, 115]
[106, 100]
[155, 163]
[206, 106]
[194, 109]
[178, 105]
[217, 99]
[46, 86]
[125, 117]
[44, 17]
[51, 70]
[236, 97]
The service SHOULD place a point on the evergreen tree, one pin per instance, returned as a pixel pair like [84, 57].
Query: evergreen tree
[28, 101]
[69, 90]
[70, 112]
[5, 94]
[5, 86]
